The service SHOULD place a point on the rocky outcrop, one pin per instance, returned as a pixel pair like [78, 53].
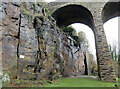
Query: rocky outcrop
[56, 51]
[72, 55]
[33, 46]
[10, 29]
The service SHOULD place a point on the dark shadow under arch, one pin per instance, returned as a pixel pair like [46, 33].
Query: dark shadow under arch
[73, 14]
[110, 10]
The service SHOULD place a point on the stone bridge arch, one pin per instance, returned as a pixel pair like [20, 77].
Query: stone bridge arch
[92, 11]
[110, 10]
[64, 16]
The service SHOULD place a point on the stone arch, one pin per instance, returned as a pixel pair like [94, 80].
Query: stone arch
[64, 15]
[110, 10]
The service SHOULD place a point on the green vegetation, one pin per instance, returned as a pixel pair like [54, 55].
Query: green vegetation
[119, 57]
[26, 12]
[80, 82]
[72, 32]
[68, 29]
[47, 12]
[118, 80]
[10, 75]
[9, 79]
[44, 5]
[62, 82]
[81, 36]
[78, 39]
[4, 84]
[32, 14]
[113, 50]
[115, 54]
[54, 76]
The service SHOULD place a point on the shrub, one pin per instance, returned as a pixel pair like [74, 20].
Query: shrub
[57, 75]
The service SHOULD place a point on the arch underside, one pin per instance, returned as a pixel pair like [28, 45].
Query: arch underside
[111, 10]
[73, 14]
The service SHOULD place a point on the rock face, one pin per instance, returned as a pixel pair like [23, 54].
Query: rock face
[56, 51]
[10, 28]
[33, 46]
[72, 55]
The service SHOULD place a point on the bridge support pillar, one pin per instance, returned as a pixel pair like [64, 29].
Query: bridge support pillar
[104, 59]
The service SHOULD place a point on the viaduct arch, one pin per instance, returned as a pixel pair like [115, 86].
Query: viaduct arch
[93, 14]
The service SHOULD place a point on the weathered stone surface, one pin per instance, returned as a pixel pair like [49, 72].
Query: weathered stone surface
[73, 57]
[56, 51]
[10, 27]
[48, 43]
[33, 44]
[28, 43]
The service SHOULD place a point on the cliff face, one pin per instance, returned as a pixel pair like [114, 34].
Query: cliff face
[9, 27]
[32, 44]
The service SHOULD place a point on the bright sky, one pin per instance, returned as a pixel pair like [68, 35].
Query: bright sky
[111, 31]
[50, 0]
[89, 35]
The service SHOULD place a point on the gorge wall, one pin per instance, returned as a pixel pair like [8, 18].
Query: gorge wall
[33, 46]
